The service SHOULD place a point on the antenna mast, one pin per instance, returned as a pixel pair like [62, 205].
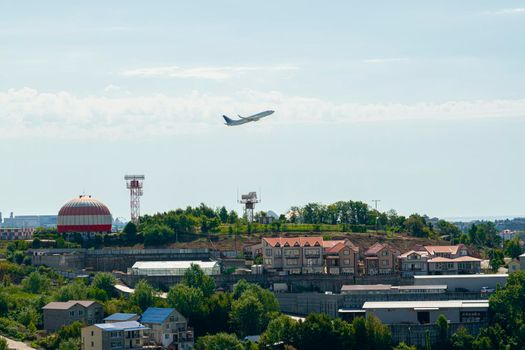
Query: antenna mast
[134, 184]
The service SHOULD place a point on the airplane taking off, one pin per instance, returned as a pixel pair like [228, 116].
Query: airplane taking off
[244, 120]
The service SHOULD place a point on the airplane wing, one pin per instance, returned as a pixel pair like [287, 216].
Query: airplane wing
[242, 117]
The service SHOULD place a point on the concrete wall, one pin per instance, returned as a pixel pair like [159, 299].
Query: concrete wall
[305, 303]
[472, 283]
[296, 283]
[109, 259]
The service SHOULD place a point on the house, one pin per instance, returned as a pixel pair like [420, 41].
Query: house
[121, 317]
[293, 255]
[514, 265]
[414, 263]
[58, 314]
[109, 336]
[446, 259]
[167, 328]
[380, 259]
[252, 251]
[341, 257]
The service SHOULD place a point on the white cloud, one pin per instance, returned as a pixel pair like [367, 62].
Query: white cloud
[213, 73]
[508, 11]
[30, 113]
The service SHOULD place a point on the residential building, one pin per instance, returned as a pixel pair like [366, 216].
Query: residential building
[293, 255]
[447, 259]
[167, 328]
[252, 251]
[341, 257]
[121, 317]
[172, 268]
[514, 266]
[58, 314]
[507, 235]
[427, 312]
[111, 336]
[10, 234]
[454, 266]
[414, 263]
[380, 259]
[522, 261]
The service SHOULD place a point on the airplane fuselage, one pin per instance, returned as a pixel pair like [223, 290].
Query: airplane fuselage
[244, 120]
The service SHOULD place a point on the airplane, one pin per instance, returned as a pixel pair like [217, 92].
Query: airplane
[244, 120]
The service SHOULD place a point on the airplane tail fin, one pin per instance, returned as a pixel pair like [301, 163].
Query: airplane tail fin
[227, 120]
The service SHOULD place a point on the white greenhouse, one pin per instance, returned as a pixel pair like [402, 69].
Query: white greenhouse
[172, 268]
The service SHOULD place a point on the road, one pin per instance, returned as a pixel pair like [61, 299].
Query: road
[17, 345]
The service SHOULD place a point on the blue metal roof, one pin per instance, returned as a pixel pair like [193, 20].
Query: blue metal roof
[120, 317]
[156, 314]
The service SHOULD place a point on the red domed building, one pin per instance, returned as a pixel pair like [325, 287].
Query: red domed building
[84, 215]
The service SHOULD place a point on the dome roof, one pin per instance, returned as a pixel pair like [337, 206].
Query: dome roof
[84, 214]
[84, 205]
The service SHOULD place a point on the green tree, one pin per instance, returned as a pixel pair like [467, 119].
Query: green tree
[220, 341]
[69, 344]
[496, 257]
[142, 295]
[130, 232]
[105, 281]
[223, 215]
[3, 344]
[281, 328]
[36, 283]
[416, 226]
[187, 300]
[461, 340]
[75, 290]
[442, 325]
[403, 346]
[157, 234]
[449, 230]
[247, 315]
[195, 277]
[513, 248]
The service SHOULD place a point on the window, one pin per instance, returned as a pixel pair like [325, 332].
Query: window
[80, 312]
[291, 252]
[71, 313]
[384, 262]
[92, 344]
[278, 253]
[291, 261]
[346, 252]
[267, 261]
[92, 333]
[346, 261]
[423, 317]
[384, 253]
[166, 336]
[269, 252]
[311, 252]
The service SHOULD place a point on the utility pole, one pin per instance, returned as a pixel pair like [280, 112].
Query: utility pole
[377, 213]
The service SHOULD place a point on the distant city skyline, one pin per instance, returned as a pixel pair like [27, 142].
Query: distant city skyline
[421, 106]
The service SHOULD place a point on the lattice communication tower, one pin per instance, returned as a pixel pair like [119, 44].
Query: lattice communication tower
[134, 184]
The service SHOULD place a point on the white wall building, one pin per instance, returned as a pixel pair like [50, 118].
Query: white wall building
[172, 268]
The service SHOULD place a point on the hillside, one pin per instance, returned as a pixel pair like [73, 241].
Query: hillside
[362, 240]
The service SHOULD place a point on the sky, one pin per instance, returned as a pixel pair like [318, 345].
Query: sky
[419, 105]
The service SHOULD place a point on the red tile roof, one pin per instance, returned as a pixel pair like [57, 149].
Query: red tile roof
[293, 241]
[447, 249]
[460, 259]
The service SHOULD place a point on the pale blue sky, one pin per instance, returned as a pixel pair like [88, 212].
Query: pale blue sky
[421, 106]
